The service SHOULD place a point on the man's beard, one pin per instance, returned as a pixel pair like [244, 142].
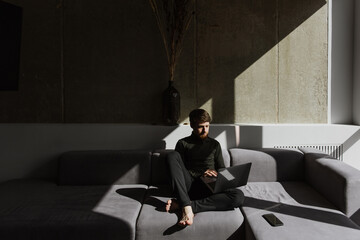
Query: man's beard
[203, 136]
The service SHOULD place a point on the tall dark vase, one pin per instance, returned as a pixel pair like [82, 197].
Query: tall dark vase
[171, 105]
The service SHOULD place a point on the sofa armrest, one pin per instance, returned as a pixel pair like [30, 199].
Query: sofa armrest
[335, 180]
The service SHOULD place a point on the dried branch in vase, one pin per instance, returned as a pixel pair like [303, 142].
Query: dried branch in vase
[173, 18]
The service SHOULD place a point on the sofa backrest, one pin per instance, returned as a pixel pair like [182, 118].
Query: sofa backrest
[270, 164]
[104, 167]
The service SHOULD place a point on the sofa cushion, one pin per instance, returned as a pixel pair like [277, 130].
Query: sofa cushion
[43, 210]
[155, 223]
[270, 164]
[104, 167]
[304, 212]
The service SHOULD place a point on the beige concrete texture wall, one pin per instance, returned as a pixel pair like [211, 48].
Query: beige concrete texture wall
[263, 61]
[303, 51]
[91, 61]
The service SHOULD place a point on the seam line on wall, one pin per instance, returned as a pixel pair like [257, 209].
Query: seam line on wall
[278, 63]
[62, 80]
[195, 54]
[329, 120]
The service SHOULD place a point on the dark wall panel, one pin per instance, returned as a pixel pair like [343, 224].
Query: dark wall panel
[115, 67]
[10, 32]
[39, 95]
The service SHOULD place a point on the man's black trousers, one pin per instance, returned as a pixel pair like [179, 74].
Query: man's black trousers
[193, 192]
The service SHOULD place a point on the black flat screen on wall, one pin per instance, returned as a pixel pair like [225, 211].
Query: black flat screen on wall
[10, 39]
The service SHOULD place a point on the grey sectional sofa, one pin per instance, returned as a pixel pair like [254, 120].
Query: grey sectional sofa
[122, 195]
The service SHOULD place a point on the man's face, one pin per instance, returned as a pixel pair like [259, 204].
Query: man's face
[201, 129]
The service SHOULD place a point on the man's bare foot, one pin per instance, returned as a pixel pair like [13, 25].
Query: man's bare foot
[172, 206]
[187, 216]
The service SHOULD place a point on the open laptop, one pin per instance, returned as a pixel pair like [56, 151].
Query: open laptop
[227, 178]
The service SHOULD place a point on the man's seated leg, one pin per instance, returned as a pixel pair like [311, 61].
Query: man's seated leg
[199, 190]
[227, 200]
[187, 216]
[172, 206]
[181, 182]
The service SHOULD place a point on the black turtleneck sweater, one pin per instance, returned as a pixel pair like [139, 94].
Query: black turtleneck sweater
[199, 155]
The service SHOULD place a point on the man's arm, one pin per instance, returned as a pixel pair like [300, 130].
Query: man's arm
[210, 173]
[219, 160]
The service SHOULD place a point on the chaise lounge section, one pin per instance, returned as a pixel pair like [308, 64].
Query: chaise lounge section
[121, 194]
[313, 194]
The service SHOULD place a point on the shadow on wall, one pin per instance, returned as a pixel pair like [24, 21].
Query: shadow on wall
[232, 35]
[39, 156]
[32, 151]
[351, 141]
[251, 136]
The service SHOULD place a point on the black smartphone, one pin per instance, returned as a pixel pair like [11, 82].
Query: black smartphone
[272, 219]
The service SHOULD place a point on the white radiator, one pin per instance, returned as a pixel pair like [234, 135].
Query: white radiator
[336, 150]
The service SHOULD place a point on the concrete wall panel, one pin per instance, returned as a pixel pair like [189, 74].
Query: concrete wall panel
[303, 65]
[231, 36]
[254, 103]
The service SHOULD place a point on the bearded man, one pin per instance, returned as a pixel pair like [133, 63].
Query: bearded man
[195, 156]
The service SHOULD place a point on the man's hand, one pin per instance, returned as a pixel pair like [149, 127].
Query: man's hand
[210, 173]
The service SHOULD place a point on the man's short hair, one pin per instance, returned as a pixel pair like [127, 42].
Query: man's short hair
[199, 116]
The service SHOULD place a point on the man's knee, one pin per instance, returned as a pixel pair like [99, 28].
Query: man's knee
[237, 197]
[172, 156]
